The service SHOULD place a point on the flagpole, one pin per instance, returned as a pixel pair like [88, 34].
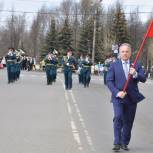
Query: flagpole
[138, 55]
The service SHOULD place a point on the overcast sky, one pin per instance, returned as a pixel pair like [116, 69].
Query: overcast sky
[34, 5]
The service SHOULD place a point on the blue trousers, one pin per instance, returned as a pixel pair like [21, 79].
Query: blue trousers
[52, 74]
[10, 72]
[48, 74]
[124, 115]
[86, 76]
[81, 76]
[68, 78]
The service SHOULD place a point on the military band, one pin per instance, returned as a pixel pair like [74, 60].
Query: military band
[51, 68]
[15, 63]
[13, 67]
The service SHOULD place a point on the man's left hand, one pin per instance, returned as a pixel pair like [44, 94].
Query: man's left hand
[132, 71]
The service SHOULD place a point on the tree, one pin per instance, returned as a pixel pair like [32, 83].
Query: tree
[99, 49]
[136, 29]
[119, 27]
[86, 37]
[51, 38]
[75, 26]
[108, 38]
[65, 37]
[38, 33]
[15, 28]
[99, 43]
[85, 10]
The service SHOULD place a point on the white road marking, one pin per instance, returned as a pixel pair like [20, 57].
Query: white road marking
[80, 117]
[69, 108]
[22, 75]
[33, 76]
[149, 82]
[74, 128]
[44, 76]
[86, 132]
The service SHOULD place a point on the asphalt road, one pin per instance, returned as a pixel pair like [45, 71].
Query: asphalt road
[36, 118]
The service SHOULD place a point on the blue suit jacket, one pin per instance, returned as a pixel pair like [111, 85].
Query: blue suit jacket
[116, 80]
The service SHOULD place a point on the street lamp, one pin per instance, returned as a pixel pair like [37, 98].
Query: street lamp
[96, 4]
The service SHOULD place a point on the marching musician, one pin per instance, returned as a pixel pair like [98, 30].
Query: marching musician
[68, 63]
[10, 62]
[50, 67]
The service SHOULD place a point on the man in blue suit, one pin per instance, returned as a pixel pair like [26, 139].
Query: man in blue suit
[124, 103]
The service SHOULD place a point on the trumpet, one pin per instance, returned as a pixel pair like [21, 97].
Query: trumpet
[10, 54]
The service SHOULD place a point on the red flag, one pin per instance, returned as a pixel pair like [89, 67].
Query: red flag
[150, 32]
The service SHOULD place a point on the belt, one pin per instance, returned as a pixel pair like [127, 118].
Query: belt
[86, 66]
[51, 65]
[10, 61]
[70, 66]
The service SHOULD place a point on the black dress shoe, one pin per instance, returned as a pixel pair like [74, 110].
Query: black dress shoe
[125, 147]
[116, 148]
